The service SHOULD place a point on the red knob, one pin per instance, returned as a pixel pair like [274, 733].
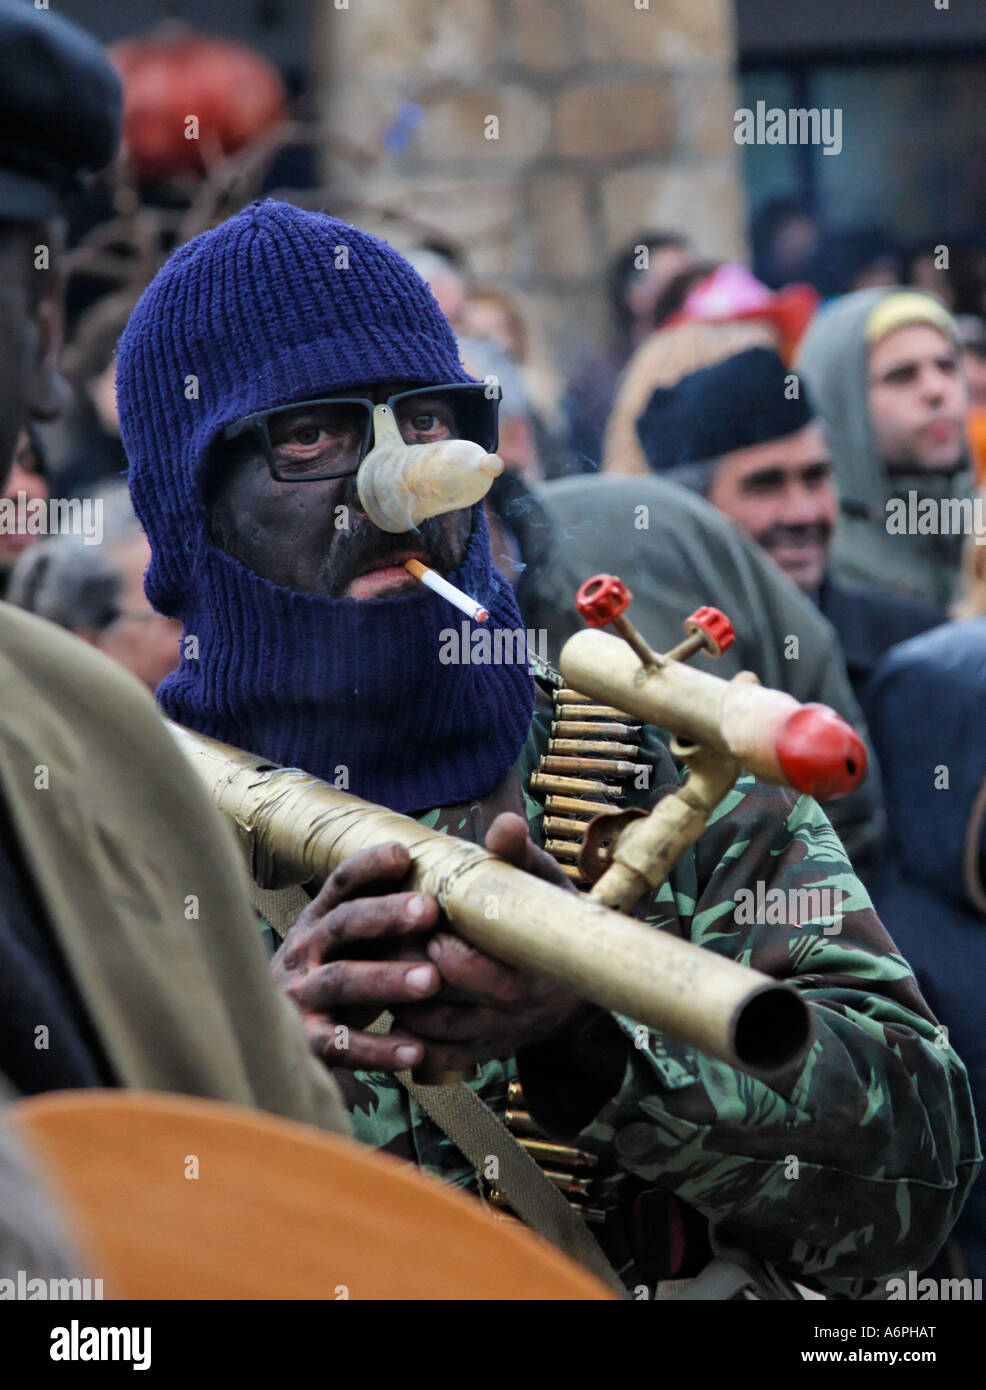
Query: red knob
[716, 626]
[602, 598]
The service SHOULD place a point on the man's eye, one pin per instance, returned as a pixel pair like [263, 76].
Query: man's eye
[762, 483]
[427, 425]
[305, 435]
[902, 376]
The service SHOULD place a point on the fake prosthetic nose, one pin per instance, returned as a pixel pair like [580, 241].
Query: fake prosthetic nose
[400, 484]
[772, 735]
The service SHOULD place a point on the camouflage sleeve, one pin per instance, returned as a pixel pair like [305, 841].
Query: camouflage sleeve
[852, 1169]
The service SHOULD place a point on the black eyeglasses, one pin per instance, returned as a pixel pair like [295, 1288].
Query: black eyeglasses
[329, 438]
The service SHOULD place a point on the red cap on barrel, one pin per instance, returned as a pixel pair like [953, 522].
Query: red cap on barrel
[820, 753]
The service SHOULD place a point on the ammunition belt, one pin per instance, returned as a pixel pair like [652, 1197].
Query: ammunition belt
[589, 761]
[569, 1168]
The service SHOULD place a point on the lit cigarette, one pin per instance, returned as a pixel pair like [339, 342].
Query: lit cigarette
[448, 591]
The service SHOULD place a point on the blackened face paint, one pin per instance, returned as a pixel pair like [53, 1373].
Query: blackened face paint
[314, 537]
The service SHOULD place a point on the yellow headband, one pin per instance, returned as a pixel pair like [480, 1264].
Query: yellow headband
[906, 307]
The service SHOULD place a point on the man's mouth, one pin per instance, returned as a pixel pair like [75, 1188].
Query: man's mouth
[385, 575]
[942, 430]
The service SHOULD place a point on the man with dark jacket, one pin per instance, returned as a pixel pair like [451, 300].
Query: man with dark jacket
[744, 433]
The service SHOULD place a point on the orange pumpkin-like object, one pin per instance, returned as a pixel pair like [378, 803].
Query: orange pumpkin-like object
[233, 93]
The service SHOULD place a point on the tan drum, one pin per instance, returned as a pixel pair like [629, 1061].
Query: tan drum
[182, 1198]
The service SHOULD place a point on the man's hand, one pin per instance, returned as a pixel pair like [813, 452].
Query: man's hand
[486, 1009]
[354, 913]
[476, 1009]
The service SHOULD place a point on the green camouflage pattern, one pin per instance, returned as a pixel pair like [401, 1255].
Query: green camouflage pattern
[844, 1174]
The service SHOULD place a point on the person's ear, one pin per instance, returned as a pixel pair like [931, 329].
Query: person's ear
[49, 393]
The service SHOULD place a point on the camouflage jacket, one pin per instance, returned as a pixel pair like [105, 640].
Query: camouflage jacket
[845, 1173]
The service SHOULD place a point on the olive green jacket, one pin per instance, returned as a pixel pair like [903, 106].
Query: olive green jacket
[143, 885]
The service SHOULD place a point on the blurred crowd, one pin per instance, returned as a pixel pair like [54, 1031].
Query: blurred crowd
[804, 437]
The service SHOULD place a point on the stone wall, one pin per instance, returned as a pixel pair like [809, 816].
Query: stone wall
[610, 117]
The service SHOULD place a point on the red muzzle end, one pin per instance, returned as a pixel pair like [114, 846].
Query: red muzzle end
[820, 753]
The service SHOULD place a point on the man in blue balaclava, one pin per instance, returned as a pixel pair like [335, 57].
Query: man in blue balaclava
[248, 376]
[306, 639]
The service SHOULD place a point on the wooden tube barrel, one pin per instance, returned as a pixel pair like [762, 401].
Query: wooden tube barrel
[767, 731]
[294, 827]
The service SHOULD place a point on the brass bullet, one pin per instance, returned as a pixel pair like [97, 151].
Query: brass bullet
[545, 1152]
[579, 1186]
[549, 782]
[570, 728]
[609, 767]
[591, 712]
[575, 806]
[592, 745]
[563, 849]
[566, 829]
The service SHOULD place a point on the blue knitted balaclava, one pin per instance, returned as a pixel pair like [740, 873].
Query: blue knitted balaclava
[278, 305]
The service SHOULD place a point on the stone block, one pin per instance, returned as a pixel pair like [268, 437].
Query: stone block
[704, 200]
[540, 34]
[562, 241]
[394, 38]
[706, 105]
[667, 32]
[605, 120]
[455, 125]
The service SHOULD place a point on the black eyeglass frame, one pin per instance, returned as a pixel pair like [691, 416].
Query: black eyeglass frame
[258, 422]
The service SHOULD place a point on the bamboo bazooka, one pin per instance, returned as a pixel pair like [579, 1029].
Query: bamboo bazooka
[295, 828]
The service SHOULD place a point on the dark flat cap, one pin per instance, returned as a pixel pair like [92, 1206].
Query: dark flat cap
[748, 399]
[60, 109]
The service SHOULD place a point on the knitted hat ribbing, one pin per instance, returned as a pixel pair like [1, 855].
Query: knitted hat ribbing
[276, 304]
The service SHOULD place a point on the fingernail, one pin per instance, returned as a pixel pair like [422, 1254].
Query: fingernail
[407, 1054]
[416, 907]
[421, 979]
[434, 949]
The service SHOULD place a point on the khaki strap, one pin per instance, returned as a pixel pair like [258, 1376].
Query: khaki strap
[477, 1132]
[281, 906]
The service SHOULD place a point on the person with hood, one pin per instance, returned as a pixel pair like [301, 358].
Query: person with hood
[926, 714]
[883, 367]
[316, 649]
[745, 435]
